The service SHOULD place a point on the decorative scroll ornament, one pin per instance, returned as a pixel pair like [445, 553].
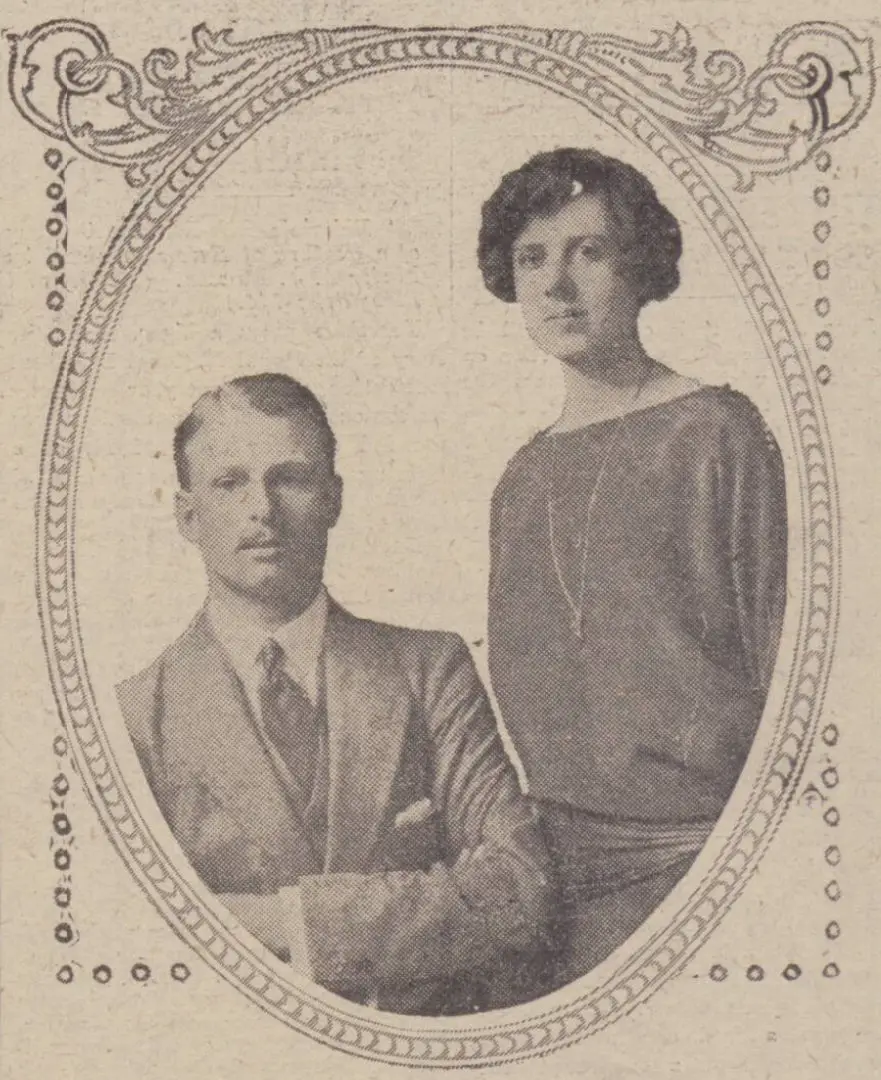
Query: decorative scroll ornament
[815, 85]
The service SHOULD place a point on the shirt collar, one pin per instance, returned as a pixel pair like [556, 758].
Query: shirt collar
[302, 640]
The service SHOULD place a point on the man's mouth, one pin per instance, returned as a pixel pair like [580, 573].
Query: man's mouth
[563, 315]
[263, 543]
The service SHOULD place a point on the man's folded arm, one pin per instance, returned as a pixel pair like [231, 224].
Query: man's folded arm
[364, 930]
[490, 896]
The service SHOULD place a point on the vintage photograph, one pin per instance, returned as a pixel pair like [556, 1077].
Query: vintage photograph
[341, 784]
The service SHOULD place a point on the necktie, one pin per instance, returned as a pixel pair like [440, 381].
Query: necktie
[289, 718]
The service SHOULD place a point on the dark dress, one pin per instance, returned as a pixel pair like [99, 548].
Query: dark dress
[633, 704]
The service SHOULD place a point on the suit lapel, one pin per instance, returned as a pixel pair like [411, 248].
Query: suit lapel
[368, 710]
[209, 739]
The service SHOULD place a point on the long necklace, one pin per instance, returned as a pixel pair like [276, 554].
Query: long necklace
[576, 607]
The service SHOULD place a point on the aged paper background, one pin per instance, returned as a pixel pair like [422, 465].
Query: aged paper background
[405, 353]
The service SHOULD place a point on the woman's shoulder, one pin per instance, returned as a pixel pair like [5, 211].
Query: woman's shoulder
[718, 413]
[523, 465]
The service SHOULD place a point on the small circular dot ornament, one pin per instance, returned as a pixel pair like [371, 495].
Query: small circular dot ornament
[64, 933]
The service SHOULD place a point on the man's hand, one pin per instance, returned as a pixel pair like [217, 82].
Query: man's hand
[276, 919]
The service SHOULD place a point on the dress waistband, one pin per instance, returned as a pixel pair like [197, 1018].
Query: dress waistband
[626, 833]
[598, 855]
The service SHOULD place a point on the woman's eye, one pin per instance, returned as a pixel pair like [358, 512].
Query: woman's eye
[590, 251]
[529, 258]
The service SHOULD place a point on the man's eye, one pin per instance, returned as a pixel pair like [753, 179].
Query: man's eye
[294, 479]
[590, 251]
[225, 483]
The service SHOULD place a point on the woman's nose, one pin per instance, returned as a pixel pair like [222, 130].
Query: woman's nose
[560, 285]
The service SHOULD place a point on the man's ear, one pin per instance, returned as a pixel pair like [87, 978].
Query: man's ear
[185, 513]
[335, 501]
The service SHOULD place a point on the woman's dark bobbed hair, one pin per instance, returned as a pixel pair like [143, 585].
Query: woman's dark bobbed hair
[648, 234]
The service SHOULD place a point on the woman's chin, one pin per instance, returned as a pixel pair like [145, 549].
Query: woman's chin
[568, 349]
[575, 351]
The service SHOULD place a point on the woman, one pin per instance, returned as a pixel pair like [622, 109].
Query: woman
[638, 559]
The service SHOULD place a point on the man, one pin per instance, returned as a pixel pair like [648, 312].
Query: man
[340, 782]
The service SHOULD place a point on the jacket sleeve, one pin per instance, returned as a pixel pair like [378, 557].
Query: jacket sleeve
[488, 897]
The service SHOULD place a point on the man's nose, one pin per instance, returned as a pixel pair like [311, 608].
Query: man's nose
[560, 285]
[261, 503]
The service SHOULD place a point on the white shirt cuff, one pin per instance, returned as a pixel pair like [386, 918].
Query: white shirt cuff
[293, 929]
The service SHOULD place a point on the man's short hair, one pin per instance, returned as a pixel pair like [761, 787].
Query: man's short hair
[649, 235]
[272, 393]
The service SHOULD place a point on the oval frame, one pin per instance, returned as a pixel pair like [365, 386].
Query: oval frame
[282, 84]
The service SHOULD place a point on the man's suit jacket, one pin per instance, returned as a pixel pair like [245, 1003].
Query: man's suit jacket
[434, 875]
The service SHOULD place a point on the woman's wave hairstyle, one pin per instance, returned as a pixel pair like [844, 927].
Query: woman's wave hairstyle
[648, 234]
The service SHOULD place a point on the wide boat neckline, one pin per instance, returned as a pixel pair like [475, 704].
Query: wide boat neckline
[549, 433]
